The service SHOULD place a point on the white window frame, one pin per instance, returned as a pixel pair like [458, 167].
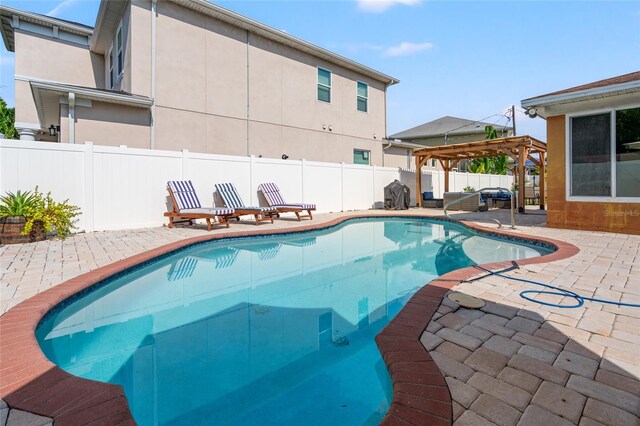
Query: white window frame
[112, 59]
[366, 98]
[595, 199]
[109, 69]
[324, 85]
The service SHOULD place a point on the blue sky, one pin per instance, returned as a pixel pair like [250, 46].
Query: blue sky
[468, 59]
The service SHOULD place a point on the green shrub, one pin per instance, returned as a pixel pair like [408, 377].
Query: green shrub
[53, 215]
[468, 189]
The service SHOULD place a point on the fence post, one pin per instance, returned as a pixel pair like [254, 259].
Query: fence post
[185, 163]
[88, 207]
[341, 186]
[303, 170]
[373, 187]
[252, 193]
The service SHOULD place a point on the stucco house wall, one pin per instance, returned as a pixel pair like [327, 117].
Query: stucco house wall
[219, 88]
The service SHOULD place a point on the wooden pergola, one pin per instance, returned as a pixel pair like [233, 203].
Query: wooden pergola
[519, 148]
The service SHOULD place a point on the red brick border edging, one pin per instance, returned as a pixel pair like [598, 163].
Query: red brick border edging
[30, 382]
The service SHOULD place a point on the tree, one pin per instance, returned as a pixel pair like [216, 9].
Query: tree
[494, 165]
[7, 120]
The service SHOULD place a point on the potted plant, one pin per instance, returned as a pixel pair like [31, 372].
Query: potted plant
[27, 217]
[13, 217]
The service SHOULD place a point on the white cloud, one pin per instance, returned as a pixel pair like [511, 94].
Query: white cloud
[406, 48]
[55, 12]
[379, 6]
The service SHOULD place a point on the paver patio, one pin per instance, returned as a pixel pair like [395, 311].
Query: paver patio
[512, 362]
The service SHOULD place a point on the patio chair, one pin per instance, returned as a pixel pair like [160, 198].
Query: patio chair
[186, 205]
[274, 199]
[232, 199]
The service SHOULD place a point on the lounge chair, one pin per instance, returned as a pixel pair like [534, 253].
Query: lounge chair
[274, 198]
[232, 199]
[186, 205]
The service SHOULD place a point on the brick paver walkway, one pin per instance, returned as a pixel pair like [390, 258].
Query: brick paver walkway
[513, 362]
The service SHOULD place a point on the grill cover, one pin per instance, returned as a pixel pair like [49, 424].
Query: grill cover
[396, 196]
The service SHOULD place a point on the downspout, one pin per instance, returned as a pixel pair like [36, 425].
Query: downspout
[248, 94]
[154, 14]
[72, 117]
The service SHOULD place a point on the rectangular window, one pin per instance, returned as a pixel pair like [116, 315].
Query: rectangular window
[363, 96]
[604, 154]
[115, 59]
[433, 162]
[119, 51]
[360, 156]
[112, 79]
[628, 152]
[591, 155]
[324, 85]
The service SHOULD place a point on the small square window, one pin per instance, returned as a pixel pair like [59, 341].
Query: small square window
[360, 156]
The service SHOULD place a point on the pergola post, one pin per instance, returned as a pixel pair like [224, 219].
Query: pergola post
[446, 165]
[542, 170]
[418, 181]
[522, 157]
[420, 161]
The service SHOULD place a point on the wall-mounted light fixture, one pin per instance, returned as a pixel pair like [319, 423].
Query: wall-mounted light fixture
[285, 156]
[53, 130]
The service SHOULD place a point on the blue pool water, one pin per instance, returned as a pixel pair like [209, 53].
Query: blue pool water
[270, 330]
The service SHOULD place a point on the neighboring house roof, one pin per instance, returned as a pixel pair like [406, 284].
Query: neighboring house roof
[7, 23]
[620, 85]
[110, 11]
[447, 124]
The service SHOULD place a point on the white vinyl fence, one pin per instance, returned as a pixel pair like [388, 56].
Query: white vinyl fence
[125, 188]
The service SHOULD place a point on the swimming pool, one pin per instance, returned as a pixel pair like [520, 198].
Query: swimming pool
[263, 330]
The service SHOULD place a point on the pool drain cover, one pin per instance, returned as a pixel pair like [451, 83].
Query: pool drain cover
[466, 301]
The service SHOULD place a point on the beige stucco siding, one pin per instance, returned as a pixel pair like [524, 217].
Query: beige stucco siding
[108, 124]
[180, 55]
[218, 89]
[211, 74]
[79, 66]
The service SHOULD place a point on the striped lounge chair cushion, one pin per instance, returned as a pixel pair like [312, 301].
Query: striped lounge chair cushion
[302, 206]
[232, 199]
[216, 211]
[274, 198]
[272, 193]
[185, 194]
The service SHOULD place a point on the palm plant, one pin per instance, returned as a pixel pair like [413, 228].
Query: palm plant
[16, 204]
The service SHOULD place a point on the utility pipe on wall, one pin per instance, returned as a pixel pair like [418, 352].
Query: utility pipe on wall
[154, 16]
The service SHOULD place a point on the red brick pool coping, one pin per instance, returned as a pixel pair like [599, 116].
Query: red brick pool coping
[30, 382]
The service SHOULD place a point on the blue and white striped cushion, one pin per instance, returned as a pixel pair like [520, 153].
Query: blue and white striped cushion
[229, 195]
[216, 211]
[271, 193]
[232, 199]
[185, 194]
[274, 198]
[301, 206]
